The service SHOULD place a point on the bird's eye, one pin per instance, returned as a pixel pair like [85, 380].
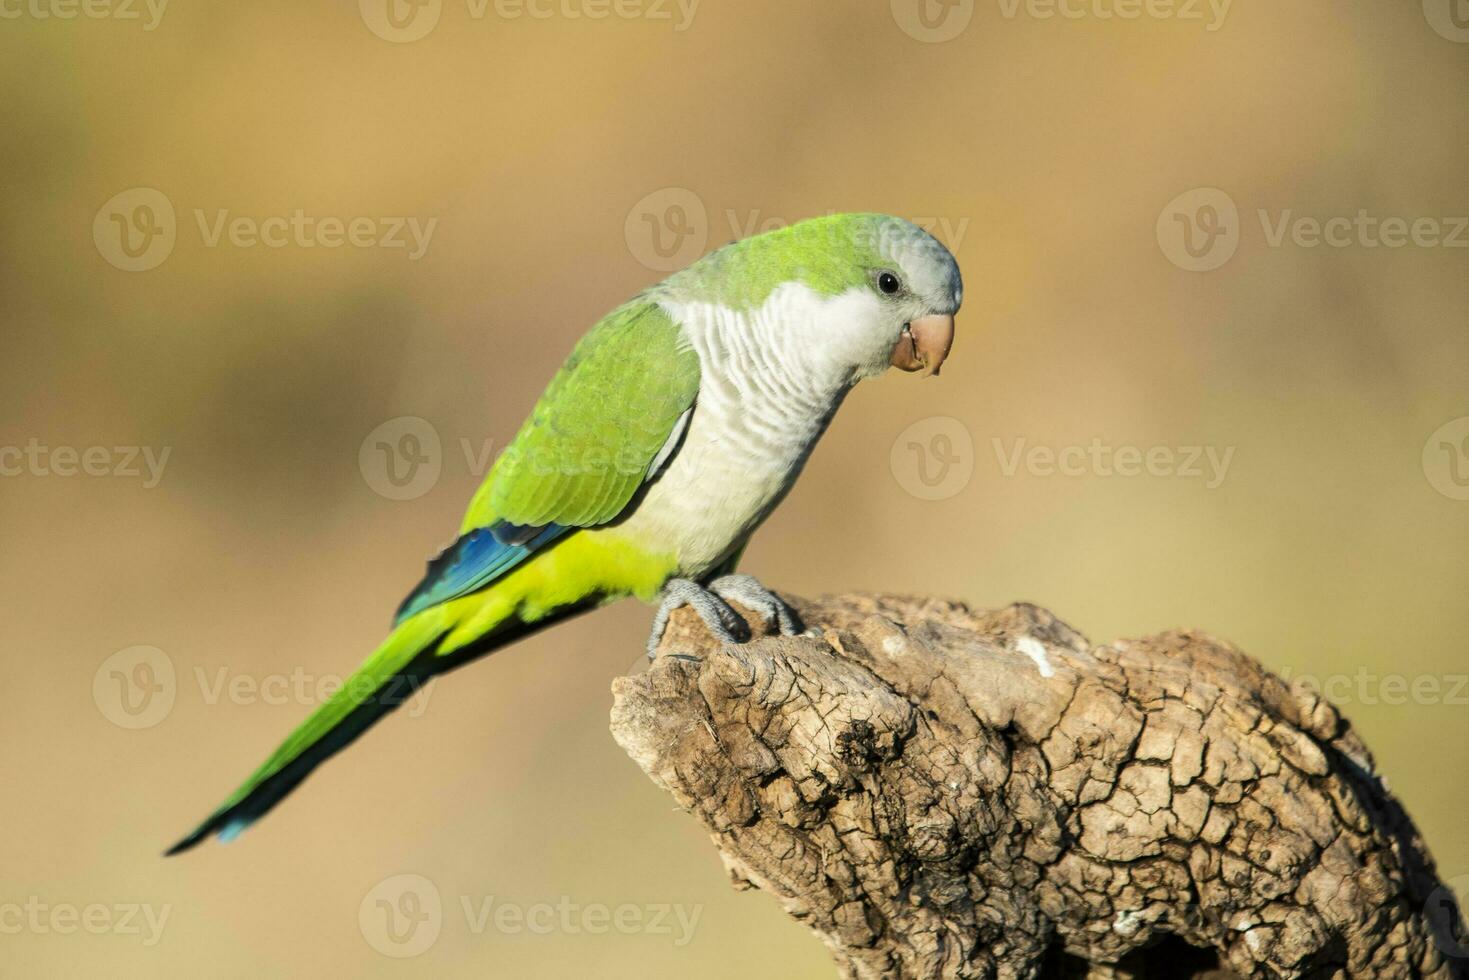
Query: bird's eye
[888, 283]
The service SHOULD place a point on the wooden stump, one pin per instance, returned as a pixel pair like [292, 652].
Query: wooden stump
[938, 792]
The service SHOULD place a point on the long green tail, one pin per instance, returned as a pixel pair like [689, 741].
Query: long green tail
[404, 662]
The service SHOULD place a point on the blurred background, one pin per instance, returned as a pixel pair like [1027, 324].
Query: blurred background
[276, 281]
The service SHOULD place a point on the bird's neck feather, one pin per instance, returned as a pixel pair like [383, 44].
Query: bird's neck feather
[798, 353]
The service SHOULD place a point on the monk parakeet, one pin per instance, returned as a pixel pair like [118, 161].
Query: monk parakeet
[674, 428]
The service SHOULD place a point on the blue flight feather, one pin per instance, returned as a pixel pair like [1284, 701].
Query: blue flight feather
[476, 560]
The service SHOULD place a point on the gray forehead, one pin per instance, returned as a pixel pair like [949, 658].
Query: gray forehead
[930, 268]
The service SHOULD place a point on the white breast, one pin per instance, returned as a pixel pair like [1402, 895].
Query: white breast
[766, 394]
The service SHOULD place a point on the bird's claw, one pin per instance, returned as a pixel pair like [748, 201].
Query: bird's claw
[718, 617]
[712, 605]
[748, 592]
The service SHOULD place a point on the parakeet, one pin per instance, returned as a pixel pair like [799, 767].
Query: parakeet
[674, 428]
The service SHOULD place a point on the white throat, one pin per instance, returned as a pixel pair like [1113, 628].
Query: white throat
[770, 380]
[797, 346]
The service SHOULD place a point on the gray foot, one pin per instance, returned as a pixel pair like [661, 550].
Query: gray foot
[748, 592]
[718, 618]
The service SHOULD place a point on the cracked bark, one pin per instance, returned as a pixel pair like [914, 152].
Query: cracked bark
[938, 792]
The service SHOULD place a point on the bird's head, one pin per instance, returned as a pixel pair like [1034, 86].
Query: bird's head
[858, 293]
[914, 289]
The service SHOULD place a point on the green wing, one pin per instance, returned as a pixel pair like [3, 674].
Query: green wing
[593, 438]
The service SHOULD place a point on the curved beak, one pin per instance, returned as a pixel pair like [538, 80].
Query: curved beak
[925, 344]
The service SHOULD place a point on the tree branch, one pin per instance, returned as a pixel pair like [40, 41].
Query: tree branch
[938, 792]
